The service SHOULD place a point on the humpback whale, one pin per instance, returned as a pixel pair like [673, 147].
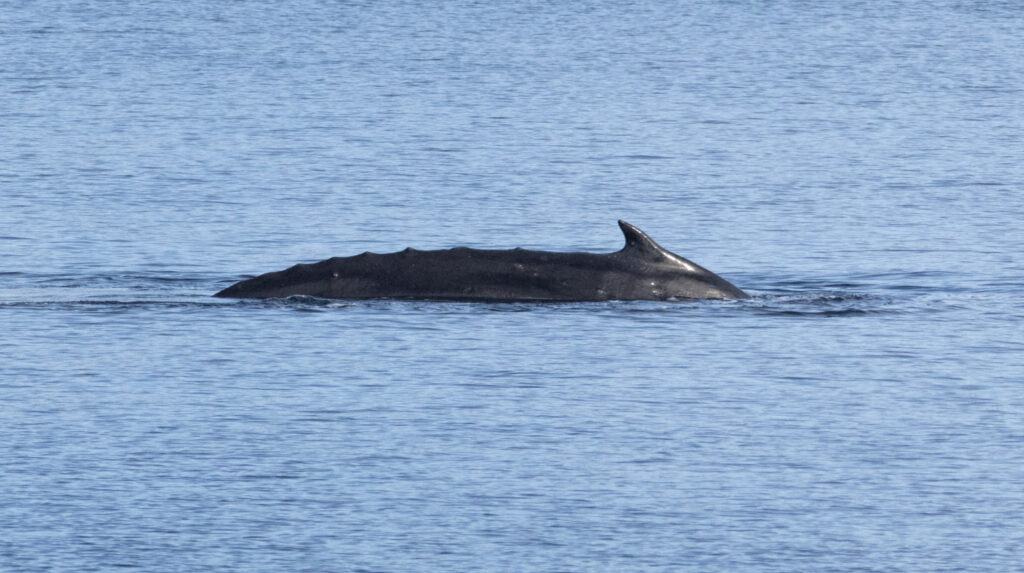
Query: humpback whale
[642, 270]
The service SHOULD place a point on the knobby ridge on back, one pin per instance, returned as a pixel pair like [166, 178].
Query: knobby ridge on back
[642, 270]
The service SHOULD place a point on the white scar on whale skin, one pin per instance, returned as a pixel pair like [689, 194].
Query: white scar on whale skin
[683, 263]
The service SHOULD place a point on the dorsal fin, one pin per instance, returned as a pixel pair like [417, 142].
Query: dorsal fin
[640, 245]
[638, 241]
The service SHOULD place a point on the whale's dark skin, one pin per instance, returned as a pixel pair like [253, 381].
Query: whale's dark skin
[642, 270]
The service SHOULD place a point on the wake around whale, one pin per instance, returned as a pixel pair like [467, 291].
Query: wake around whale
[642, 270]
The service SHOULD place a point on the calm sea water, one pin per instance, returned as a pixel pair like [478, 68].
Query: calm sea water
[858, 168]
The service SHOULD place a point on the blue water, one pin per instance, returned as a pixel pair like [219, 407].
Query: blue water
[857, 168]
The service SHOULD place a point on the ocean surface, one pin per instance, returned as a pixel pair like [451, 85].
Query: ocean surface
[858, 167]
